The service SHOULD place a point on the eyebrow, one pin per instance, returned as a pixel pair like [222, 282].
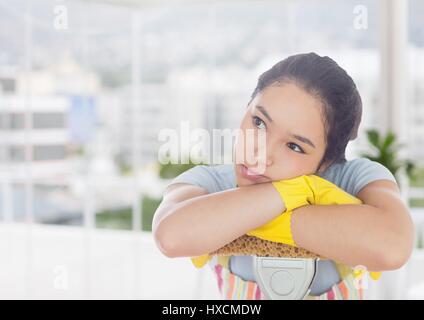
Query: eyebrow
[302, 139]
[264, 112]
[296, 136]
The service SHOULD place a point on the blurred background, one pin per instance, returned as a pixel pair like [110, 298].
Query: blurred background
[86, 86]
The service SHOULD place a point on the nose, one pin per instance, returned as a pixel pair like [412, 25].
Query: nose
[264, 152]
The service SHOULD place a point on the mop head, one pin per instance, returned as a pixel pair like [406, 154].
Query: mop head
[249, 245]
[253, 246]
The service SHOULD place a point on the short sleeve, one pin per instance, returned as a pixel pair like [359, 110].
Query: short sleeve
[364, 171]
[200, 176]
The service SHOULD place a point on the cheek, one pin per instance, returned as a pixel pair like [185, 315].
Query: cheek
[290, 166]
[286, 169]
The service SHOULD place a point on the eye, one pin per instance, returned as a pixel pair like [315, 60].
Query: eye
[257, 122]
[299, 148]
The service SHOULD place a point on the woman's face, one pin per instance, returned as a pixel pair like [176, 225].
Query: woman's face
[281, 113]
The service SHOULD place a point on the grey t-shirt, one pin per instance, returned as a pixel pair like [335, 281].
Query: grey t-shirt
[351, 176]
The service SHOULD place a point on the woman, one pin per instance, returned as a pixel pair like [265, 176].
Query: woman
[309, 108]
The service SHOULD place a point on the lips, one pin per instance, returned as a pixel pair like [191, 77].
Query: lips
[251, 175]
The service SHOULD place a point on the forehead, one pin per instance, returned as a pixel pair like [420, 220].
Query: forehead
[292, 109]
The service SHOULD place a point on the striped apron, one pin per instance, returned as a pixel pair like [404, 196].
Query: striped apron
[233, 287]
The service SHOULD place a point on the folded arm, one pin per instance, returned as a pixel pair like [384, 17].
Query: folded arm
[189, 222]
[378, 234]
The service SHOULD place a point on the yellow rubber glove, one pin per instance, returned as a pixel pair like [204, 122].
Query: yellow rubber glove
[200, 261]
[375, 275]
[297, 192]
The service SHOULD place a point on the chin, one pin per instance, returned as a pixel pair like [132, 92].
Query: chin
[242, 182]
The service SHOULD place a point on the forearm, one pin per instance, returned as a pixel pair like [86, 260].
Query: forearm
[206, 223]
[351, 234]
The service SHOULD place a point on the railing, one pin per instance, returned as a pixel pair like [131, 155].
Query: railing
[65, 262]
[416, 193]
[40, 261]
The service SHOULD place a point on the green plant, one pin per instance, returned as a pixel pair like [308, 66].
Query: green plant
[418, 179]
[169, 171]
[385, 151]
[122, 218]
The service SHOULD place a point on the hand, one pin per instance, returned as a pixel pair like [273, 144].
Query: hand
[297, 192]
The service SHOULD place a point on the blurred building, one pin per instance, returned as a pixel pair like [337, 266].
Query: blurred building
[132, 126]
[36, 137]
[45, 144]
[206, 99]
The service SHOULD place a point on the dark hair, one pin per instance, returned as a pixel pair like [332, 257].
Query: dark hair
[325, 79]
